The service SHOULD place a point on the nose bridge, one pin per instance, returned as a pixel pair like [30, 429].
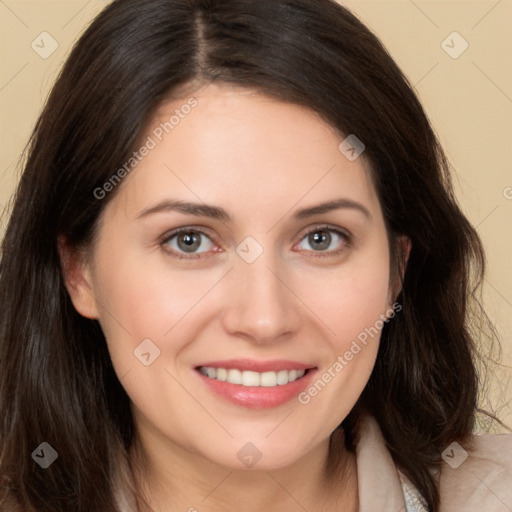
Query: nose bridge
[261, 306]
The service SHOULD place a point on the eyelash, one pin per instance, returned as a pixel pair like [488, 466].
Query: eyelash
[326, 254]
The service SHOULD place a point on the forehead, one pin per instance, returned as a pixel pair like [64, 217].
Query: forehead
[244, 150]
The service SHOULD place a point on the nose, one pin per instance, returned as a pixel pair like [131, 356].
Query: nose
[261, 304]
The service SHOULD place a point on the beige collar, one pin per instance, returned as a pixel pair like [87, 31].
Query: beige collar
[473, 478]
[382, 488]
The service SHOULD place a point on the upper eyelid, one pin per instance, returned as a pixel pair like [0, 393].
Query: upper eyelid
[325, 227]
[194, 229]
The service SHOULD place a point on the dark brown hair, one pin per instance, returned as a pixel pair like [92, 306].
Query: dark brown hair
[57, 383]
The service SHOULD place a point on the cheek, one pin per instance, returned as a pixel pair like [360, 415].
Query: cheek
[351, 299]
[144, 301]
[352, 302]
[341, 379]
[142, 298]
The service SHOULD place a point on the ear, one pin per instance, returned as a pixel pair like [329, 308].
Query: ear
[77, 279]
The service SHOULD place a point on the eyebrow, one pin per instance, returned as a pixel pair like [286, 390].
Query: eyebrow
[218, 213]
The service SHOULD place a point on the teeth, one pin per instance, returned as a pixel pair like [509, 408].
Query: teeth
[269, 379]
[282, 377]
[234, 376]
[222, 374]
[249, 378]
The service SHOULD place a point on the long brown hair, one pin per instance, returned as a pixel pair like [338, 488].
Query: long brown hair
[57, 383]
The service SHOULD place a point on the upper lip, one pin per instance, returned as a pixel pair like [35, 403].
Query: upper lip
[258, 366]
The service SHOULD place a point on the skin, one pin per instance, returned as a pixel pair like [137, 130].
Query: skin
[261, 160]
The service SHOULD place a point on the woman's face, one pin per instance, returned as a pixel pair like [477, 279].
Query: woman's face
[244, 245]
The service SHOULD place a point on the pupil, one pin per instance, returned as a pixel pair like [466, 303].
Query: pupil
[320, 239]
[189, 242]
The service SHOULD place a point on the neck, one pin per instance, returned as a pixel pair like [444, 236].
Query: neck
[173, 478]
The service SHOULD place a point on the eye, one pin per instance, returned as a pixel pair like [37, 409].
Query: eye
[187, 241]
[324, 239]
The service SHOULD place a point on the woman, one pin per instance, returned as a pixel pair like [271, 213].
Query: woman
[236, 278]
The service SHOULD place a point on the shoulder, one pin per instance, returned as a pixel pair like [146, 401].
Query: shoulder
[477, 476]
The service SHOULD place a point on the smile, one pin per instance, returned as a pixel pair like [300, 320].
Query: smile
[250, 378]
[256, 384]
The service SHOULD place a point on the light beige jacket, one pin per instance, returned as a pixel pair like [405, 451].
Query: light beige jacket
[478, 481]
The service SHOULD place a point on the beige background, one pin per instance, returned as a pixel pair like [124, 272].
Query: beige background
[468, 99]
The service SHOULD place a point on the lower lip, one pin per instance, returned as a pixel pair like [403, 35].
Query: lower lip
[258, 397]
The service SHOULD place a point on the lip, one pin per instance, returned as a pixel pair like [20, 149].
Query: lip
[257, 397]
[254, 365]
